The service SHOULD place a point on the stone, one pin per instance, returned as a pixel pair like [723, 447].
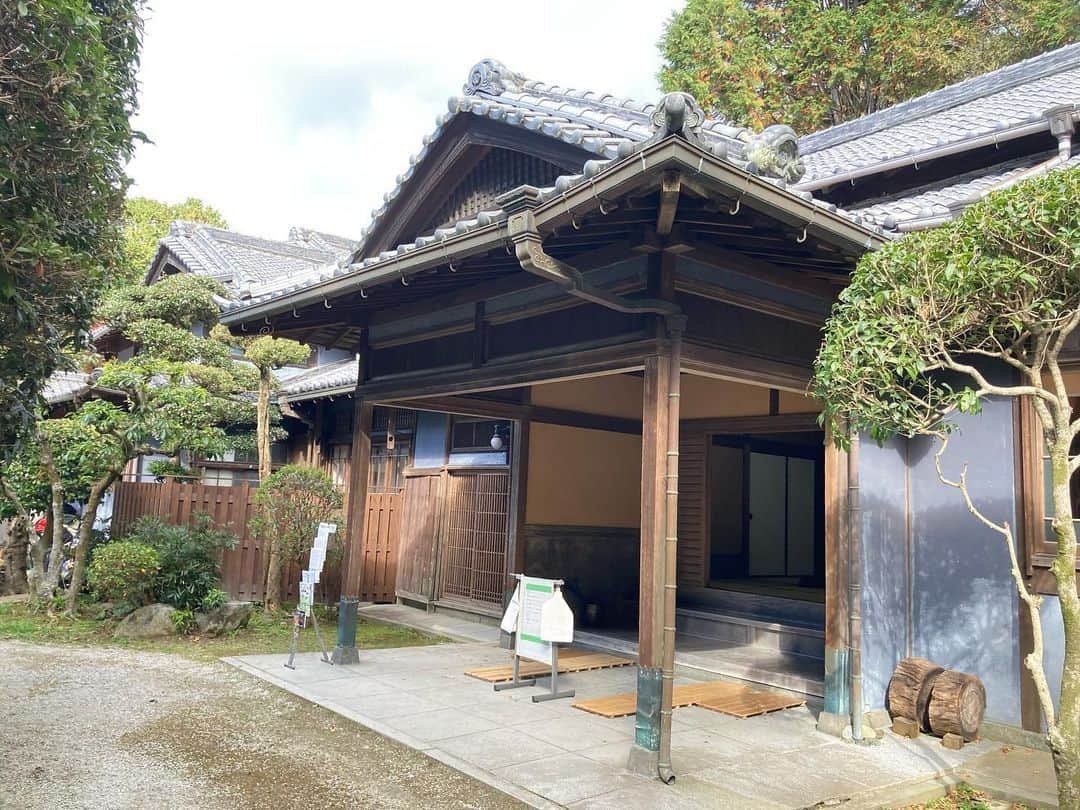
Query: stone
[954, 742]
[878, 719]
[834, 724]
[905, 727]
[224, 618]
[149, 621]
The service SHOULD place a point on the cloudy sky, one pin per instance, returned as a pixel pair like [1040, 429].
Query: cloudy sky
[287, 113]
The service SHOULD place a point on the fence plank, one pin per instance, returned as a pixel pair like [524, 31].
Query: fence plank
[230, 509]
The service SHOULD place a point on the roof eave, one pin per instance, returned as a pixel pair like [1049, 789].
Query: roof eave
[610, 182]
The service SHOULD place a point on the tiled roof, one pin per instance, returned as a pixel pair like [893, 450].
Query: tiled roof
[606, 125]
[338, 376]
[1003, 100]
[64, 386]
[242, 262]
[946, 200]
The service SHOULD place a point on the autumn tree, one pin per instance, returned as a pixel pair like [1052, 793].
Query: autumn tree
[179, 392]
[67, 90]
[935, 322]
[146, 221]
[814, 63]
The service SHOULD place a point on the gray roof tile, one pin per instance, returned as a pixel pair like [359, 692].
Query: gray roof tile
[337, 376]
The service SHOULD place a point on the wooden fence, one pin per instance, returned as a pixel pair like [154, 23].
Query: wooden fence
[229, 508]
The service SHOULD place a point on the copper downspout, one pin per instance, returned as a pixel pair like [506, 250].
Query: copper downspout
[855, 590]
[671, 542]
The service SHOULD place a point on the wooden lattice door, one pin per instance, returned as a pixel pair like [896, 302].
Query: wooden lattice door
[472, 556]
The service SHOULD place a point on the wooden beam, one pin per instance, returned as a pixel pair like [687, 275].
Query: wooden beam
[740, 263]
[670, 188]
[715, 292]
[492, 409]
[623, 355]
[725, 364]
[780, 423]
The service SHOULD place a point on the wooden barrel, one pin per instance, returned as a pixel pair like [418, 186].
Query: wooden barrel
[957, 705]
[910, 688]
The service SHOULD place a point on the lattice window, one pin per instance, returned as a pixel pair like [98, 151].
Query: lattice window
[474, 554]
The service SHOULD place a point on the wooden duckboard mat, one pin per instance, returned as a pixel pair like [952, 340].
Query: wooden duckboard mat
[571, 659]
[718, 696]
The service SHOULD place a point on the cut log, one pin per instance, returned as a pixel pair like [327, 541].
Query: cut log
[910, 688]
[957, 705]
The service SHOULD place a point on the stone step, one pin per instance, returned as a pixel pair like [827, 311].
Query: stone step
[742, 630]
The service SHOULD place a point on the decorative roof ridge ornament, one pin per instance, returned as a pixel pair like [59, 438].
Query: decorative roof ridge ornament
[678, 114]
[492, 77]
[774, 152]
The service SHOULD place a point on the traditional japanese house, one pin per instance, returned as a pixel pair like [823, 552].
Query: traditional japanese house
[600, 316]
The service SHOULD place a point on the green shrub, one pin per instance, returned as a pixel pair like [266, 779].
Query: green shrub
[190, 558]
[215, 598]
[124, 571]
[183, 620]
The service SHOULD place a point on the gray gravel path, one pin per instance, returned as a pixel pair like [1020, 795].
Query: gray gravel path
[99, 728]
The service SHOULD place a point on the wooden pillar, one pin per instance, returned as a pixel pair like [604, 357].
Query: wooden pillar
[345, 651]
[519, 485]
[654, 437]
[836, 588]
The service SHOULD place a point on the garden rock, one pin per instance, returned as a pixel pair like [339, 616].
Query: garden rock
[150, 621]
[224, 619]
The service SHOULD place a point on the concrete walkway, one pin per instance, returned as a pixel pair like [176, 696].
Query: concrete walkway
[551, 754]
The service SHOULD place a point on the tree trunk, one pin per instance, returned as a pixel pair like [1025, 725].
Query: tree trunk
[14, 536]
[1064, 735]
[262, 423]
[86, 527]
[272, 598]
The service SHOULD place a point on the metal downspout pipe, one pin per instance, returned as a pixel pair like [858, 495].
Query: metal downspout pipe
[854, 551]
[671, 543]
[529, 249]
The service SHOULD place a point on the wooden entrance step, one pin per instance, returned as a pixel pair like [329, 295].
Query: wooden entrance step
[571, 659]
[718, 696]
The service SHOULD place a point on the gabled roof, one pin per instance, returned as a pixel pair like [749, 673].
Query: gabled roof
[65, 386]
[605, 125]
[1005, 103]
[244, 262]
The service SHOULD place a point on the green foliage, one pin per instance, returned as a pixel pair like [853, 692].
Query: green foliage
[998, 283]
[124, 572]
[813, 63]
[267, 352]
[179, 300]
[183, 620]
[146, 221]
[290, 504]
[67, 89]
[190, 558]
[214, 599]
[162, 468]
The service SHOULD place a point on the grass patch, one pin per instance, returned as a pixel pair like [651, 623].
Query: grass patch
[265, 633]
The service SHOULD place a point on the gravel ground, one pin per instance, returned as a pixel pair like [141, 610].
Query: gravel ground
[100, 728]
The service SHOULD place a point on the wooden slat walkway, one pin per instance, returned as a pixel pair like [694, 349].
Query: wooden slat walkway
[718, 696]
[571, 659]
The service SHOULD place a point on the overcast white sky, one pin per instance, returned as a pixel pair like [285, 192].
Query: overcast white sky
[302, 113]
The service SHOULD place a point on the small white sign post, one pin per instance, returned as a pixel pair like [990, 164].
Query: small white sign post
[525, 613]
[306, 603]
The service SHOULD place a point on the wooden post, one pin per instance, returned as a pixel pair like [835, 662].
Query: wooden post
[654, 430]
[835, 718]
[356, 516]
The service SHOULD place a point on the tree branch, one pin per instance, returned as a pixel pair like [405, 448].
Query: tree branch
[1034, 660]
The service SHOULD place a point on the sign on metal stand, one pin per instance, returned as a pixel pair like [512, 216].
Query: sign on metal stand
[306, 604]
[536, 639]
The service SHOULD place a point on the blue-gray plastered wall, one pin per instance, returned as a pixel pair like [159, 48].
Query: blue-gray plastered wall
[955, 603]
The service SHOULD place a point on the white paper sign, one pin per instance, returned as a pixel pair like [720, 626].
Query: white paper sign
[534, 593]
[557, 620]
[510, 618]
